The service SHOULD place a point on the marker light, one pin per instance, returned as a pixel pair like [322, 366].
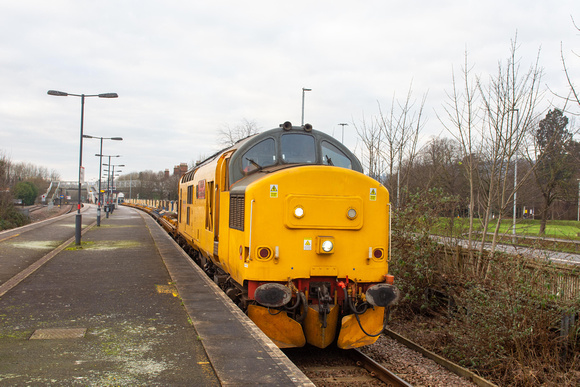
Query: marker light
[299, 212]
[264, 253]
[351, 213]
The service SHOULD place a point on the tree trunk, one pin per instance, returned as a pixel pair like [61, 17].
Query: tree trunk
[545, 210]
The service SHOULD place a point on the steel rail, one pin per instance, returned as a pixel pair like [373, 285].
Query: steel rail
[377, 370]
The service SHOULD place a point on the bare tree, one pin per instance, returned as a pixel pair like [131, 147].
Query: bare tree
[390, 142]
[461, 121]
[437, 166]
[228, 136]
[400, 128]
[5, 166]
[370, 135]
[573, 90]
[509, 104]
[491, 119]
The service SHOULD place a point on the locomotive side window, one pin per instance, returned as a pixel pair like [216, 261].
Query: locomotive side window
[298, 148]
[261, 155]
[331, 155]
[190, 194]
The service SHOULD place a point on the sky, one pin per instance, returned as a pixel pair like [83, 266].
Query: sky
[184, 70]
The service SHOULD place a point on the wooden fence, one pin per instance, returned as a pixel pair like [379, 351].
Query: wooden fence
[559, 282]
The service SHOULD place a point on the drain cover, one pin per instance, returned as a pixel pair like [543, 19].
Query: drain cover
[59, 333]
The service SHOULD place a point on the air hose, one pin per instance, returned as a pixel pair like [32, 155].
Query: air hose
[364, 307]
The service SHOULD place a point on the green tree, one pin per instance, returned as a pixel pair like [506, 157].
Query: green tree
[9, 216]
[555, 167]
[27, 191]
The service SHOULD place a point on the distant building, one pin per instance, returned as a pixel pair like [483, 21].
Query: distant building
[180, 169]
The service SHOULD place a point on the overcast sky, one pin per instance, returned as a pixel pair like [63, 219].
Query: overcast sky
[186, 69]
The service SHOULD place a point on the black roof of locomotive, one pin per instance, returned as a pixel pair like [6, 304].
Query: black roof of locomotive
[243, 145]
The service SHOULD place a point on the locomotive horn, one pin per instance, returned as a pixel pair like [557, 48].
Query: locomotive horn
[286, 125]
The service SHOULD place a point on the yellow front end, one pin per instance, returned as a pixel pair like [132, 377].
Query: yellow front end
[314, 223]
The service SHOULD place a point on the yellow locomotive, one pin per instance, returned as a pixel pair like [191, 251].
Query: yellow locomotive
[293, 231]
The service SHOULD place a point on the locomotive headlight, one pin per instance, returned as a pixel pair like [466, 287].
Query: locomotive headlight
[327, 246]
[299, 212]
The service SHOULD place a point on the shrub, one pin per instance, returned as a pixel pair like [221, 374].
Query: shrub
[506, 327]
[9, 216]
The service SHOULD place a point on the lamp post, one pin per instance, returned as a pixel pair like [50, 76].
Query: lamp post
[342, 140]
[100, 169]
[78, 220]
[110, 180]
[108, 209]
[113, 184]
[515, 172]
[107, 195]
[578, 200]
[303, 90]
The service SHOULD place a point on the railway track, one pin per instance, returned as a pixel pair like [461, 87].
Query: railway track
[35, 207]
[40, 241]
[336, 367]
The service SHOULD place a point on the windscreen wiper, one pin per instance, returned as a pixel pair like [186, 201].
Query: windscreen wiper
[255, 164]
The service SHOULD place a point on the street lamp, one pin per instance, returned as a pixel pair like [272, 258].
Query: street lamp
[100, 168]
[111, 177]
[108, 208]
[303, 90]
[78, 220]
[515, 172]
[343, 132]
[115, 200]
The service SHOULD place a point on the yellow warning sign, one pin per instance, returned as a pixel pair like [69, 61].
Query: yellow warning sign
[273, 190]
[308, 244]
[373, 195]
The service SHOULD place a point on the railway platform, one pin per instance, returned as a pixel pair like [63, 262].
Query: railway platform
[127, 308]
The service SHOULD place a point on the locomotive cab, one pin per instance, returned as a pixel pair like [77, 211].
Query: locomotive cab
[297, 235]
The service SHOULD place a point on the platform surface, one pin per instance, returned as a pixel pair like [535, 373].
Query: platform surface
[128, 308]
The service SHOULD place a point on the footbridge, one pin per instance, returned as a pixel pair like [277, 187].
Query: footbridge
[67, 191]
